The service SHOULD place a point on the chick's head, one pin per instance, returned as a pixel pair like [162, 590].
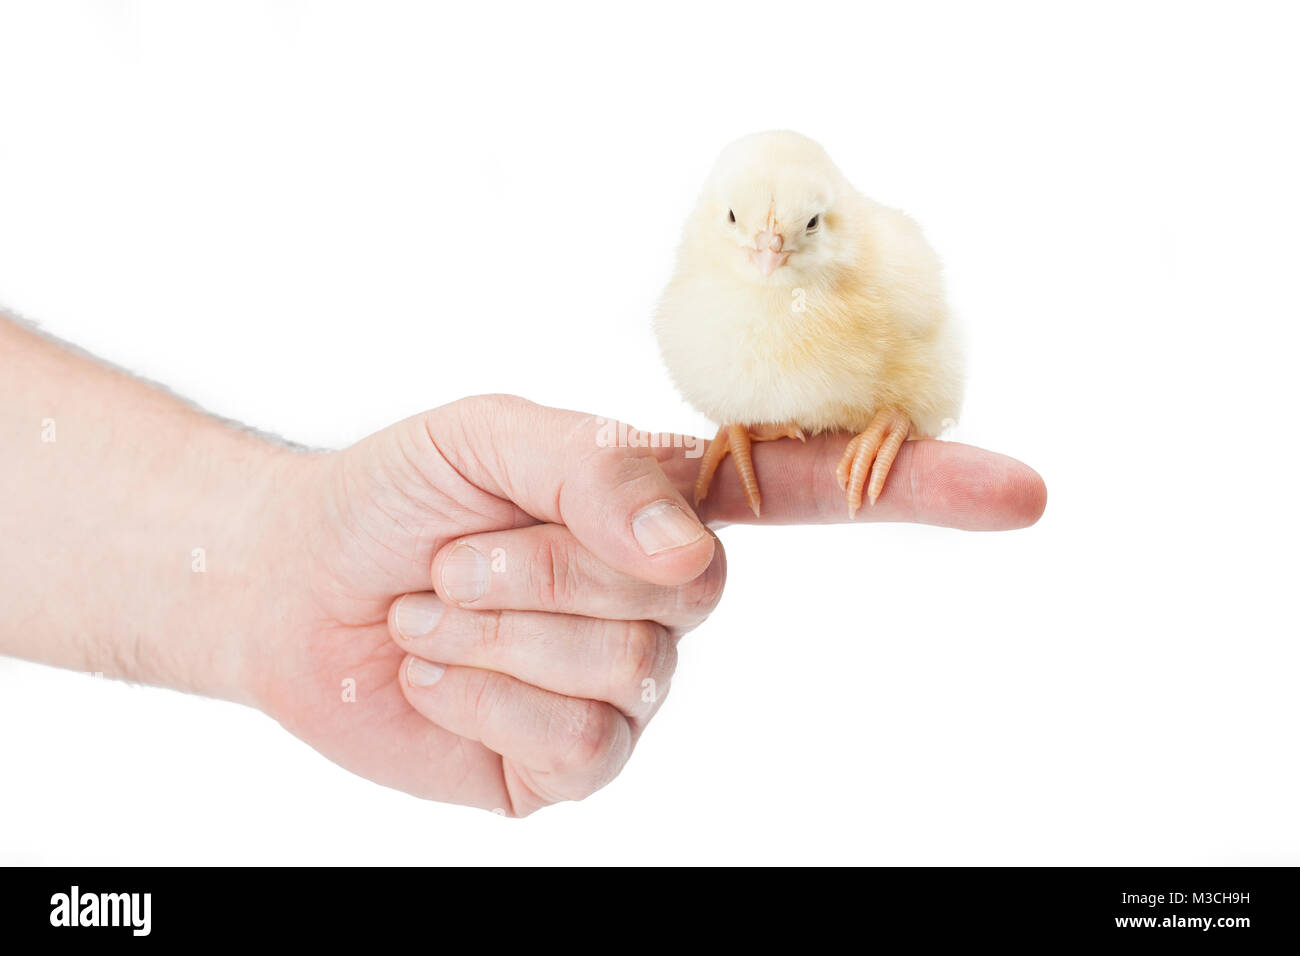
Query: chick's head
[775, 210]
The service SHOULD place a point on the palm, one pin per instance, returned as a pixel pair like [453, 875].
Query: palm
[371, 532]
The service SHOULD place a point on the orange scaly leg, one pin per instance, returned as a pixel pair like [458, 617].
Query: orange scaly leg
[868, 457]
[736, 439]
[713, 456]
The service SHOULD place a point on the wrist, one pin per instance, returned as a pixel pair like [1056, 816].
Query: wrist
[258, 584]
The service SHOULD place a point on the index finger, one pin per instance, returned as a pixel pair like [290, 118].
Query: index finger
[931, 482]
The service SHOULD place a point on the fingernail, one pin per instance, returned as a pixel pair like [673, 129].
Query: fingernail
[663, 526]
[465, 574]
[417, 614]
[422, 673]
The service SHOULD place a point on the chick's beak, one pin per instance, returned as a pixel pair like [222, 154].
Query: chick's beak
[767, 254]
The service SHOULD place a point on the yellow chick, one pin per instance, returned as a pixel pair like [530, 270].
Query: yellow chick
[798, 306]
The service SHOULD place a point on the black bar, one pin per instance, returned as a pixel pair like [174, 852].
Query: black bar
[1224, 908]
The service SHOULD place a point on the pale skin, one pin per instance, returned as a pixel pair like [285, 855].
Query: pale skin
[864, 464]
[145, 540]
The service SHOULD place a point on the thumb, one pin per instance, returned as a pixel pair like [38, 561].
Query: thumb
[559, 466]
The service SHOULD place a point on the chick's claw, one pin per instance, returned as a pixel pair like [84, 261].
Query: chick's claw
[869, 456]
[737, 439]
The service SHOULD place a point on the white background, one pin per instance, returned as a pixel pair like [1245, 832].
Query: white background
[320, 218]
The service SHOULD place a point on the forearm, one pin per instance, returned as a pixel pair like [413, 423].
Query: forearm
[134, 531]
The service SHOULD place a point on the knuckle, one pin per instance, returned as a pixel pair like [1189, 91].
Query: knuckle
[494, 631]
[490, 403]
[586, 737]
[643, 651]
[617, 467]
[698, 599]
[482, 695]
[553, 574]
[468, 416]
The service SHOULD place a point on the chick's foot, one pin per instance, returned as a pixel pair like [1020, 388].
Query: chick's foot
[737, 440]
[872, 453]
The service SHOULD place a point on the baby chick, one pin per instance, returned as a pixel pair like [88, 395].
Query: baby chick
[798, 306]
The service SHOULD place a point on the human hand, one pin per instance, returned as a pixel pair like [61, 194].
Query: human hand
[563, 572]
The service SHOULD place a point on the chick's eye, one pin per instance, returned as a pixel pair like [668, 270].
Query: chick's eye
[812, 223]
[731, 215]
